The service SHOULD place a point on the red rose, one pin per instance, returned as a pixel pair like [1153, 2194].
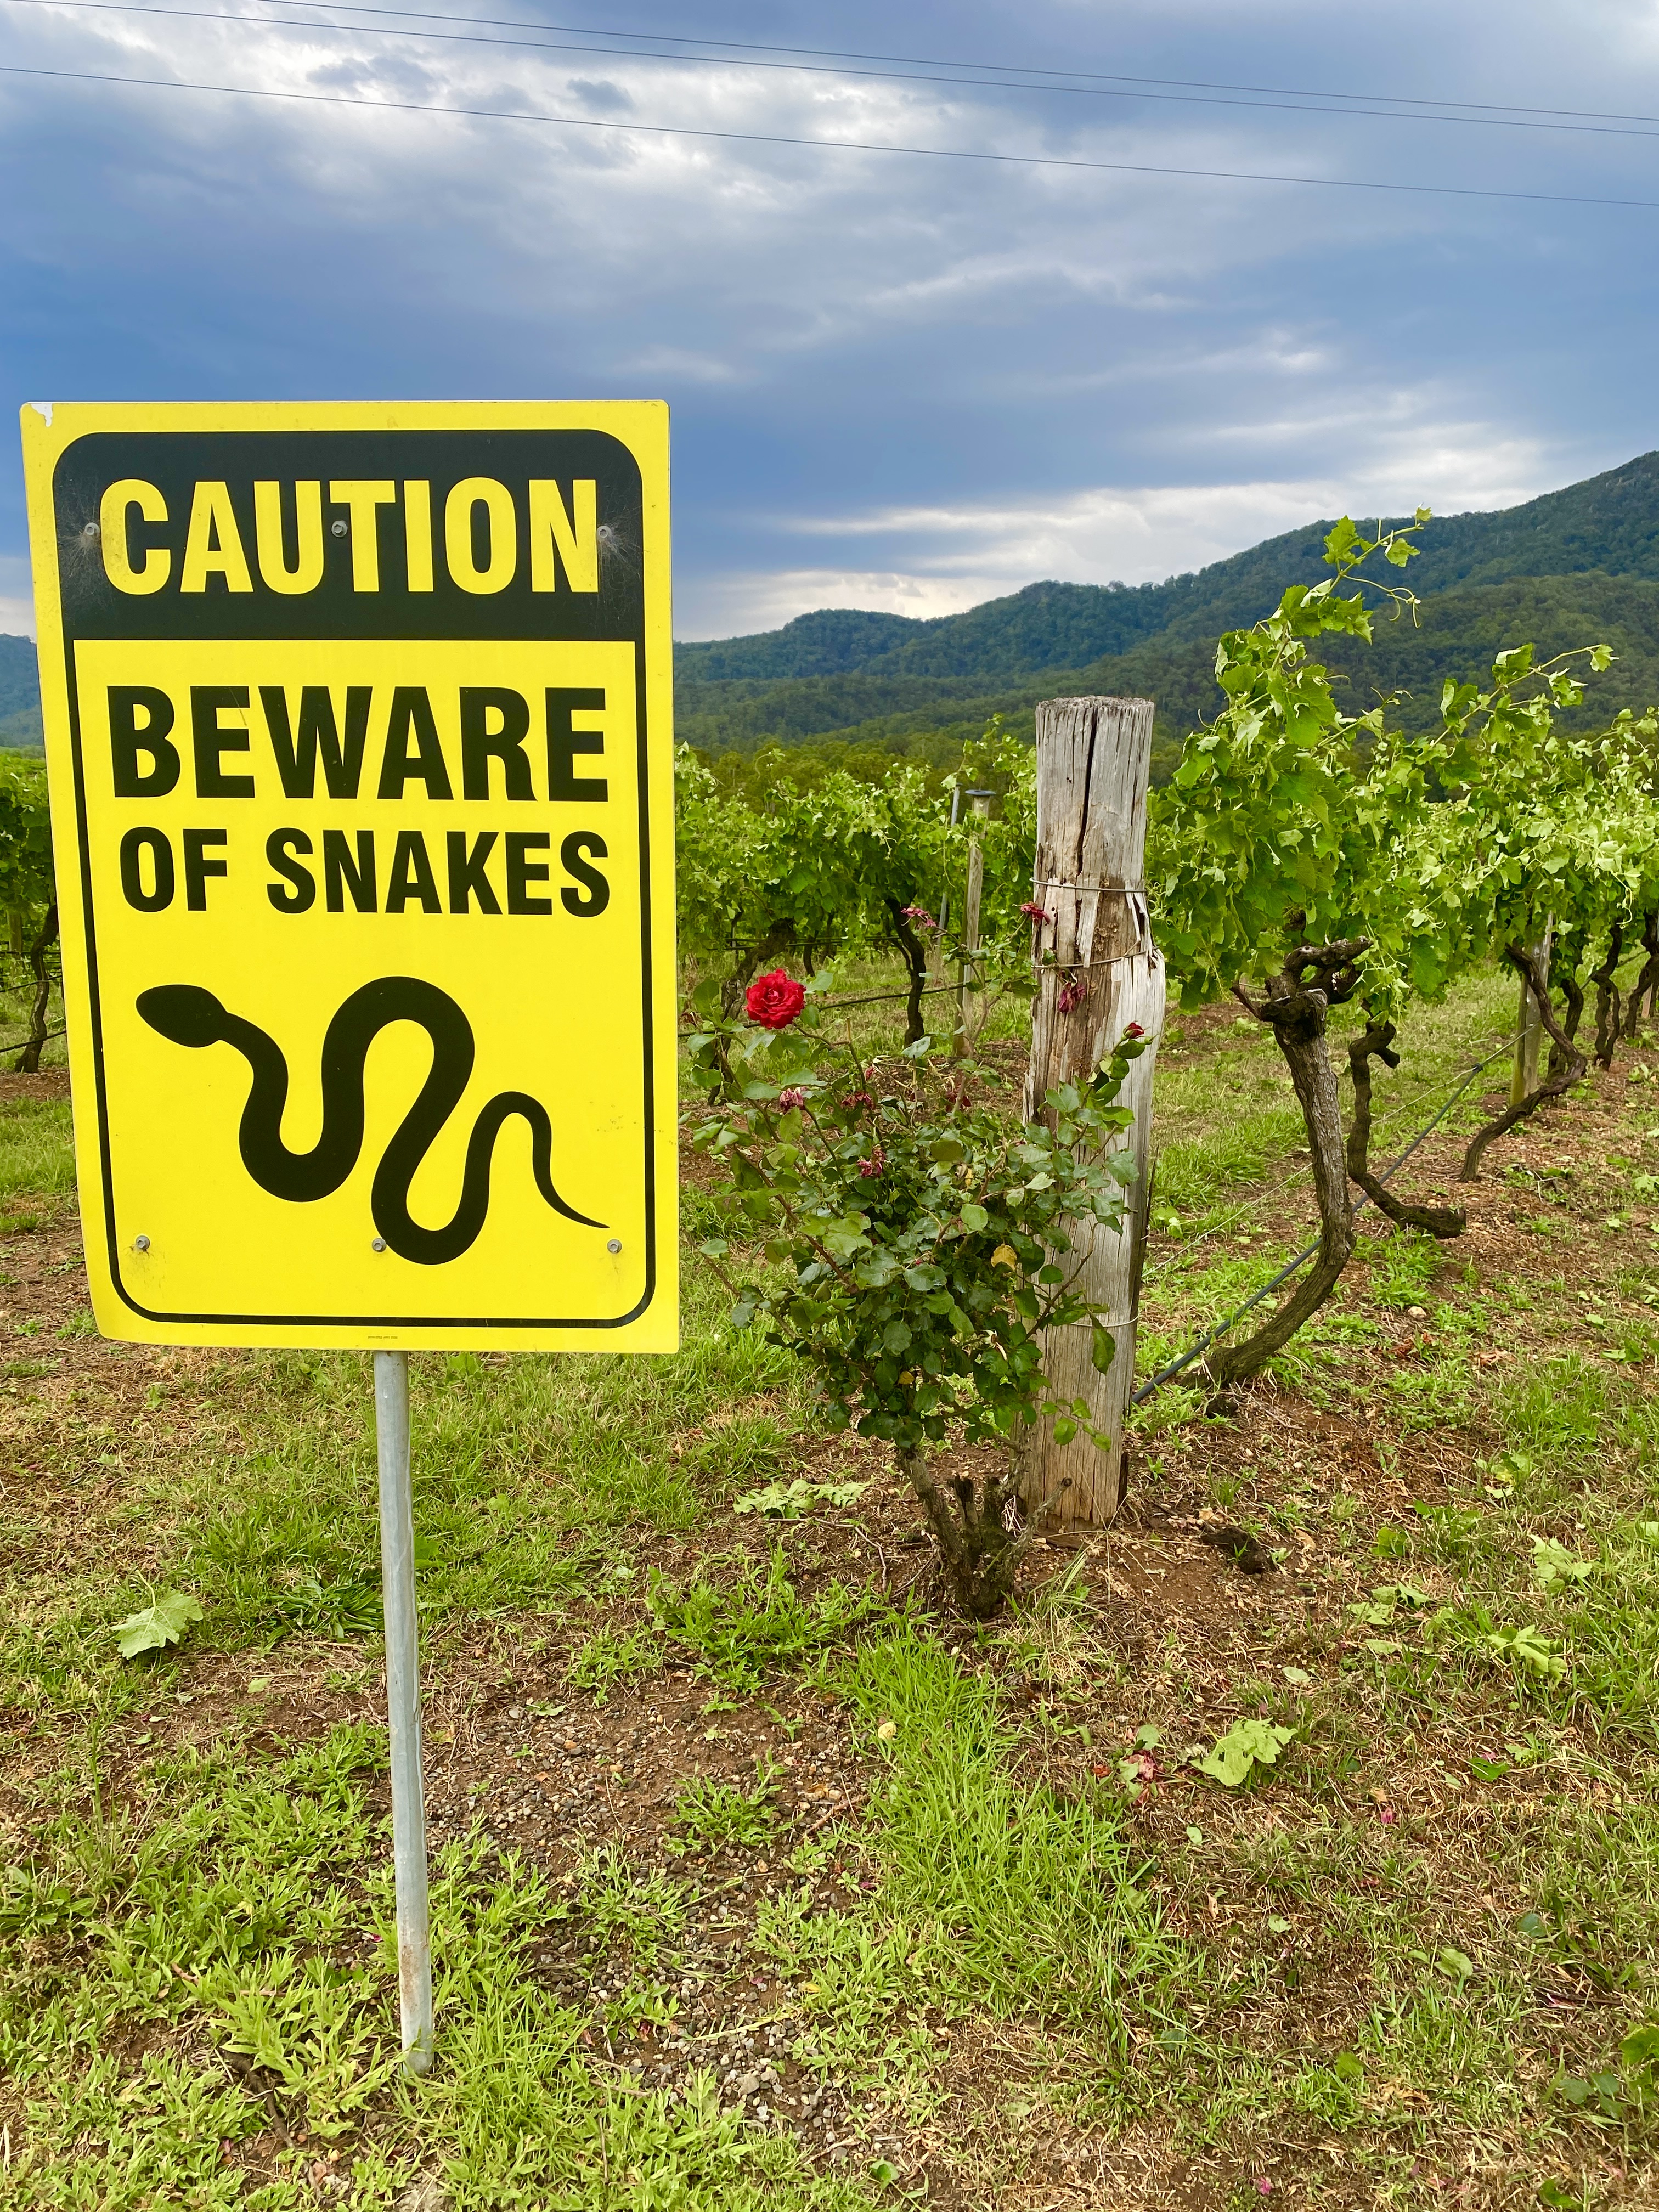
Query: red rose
[1135, 1029]
[775, 1000]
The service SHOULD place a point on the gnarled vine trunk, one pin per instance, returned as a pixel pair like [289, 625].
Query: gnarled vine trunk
[28, 1061]
[1645, 984]
[1529, 1026]
[748, 959]
[915, 965]
[1607, 1010]
[1298, 1011]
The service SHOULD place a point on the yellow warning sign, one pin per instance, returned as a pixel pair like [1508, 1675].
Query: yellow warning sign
[359, 740]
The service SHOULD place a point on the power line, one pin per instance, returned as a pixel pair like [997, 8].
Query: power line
[826, 145]
[659, 39]
[1285, 104]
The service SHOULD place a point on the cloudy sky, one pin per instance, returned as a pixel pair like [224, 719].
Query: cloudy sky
[898, 380]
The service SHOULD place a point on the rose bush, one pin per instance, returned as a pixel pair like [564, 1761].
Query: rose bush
[910, 1241]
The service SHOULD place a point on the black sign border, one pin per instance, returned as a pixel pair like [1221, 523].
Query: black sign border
[648, 1064]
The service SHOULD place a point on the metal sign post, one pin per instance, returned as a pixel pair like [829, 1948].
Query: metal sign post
[403, 1698]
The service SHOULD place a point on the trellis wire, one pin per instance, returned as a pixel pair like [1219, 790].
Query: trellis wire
[17, 1046]
[1391, 1113]
[880, 998]
[1213, 1336]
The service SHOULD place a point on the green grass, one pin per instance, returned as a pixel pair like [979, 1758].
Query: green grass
[249, 1913]
[1020, 1899]
[741, 1632]
[713, 1815]
[37, 1147]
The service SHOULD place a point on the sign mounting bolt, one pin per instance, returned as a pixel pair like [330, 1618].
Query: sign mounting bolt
[615, 1245]
[378, 1244]
[141, 1244]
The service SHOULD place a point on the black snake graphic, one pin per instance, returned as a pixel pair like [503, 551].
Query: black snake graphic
[190, 1015]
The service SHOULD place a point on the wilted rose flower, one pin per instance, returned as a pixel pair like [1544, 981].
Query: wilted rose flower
[1072, 993]
[855, 1099]
[791, 1098]
[775, 1000]
[920, 917]
[1033, 912]
[874, 1165]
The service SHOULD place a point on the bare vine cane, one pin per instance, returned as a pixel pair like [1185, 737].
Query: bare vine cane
[28, 1061]
[1568, 1066]
[1642, 991]
[1442, 1221]
[1608, 1010]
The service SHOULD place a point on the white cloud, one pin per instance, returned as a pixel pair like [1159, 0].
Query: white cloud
[16, 598]
[960, 555]
[742, 601]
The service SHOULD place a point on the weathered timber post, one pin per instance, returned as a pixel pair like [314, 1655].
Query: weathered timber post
[979, 804]
[1092, 756]
[936, 961]
[1529, 1021]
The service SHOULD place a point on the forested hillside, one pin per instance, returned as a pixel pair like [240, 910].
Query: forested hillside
[19, 692]
[1556, 570]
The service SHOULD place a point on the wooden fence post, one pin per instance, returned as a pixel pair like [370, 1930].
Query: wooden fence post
[1529, 1021]
[979, 804]
[1092, 757]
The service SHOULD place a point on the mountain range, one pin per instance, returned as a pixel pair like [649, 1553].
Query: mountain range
[19, 692]
[1571, 568]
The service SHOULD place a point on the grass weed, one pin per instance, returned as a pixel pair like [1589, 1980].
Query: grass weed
[740, 1632]
[1019, 1898]
[712, 1815]
[36, 1148]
